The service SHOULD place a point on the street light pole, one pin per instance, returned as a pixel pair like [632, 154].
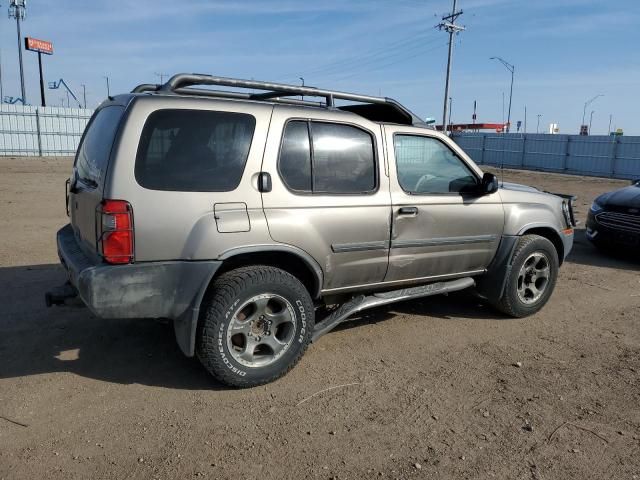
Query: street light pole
[591, 120]
[302, 80]
[586, 104]
[512, 69]
[538, 126]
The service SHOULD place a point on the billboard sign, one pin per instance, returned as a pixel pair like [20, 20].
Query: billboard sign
[40, 46]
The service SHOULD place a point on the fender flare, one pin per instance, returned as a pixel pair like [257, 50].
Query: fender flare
[186, 325]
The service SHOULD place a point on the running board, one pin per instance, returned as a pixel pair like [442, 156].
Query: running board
[361, 302]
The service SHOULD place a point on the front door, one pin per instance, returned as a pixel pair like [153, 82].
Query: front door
[441, 225]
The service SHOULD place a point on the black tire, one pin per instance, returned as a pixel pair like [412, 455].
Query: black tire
[222, 308]
[512, 302]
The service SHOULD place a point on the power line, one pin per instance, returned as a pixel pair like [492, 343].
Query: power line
[368, 56]
[381, 57]
[397, 60]
[448, 24]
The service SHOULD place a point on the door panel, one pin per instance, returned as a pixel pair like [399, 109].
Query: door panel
[347, 234]
[437, 232]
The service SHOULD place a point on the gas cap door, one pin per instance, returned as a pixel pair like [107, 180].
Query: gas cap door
[231, 217]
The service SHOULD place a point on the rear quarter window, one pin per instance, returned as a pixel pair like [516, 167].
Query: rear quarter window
[194, 150]
[93, 153]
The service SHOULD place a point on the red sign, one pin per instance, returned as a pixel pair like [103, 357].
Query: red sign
[41, 46]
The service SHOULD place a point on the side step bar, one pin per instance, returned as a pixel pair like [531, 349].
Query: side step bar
[361, 302]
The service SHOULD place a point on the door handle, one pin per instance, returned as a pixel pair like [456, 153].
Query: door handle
[408, 211]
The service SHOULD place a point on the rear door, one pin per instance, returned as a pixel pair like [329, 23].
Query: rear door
[330, 193]
[441, 225]
[90, 169]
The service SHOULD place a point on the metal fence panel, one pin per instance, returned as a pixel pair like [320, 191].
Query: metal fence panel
[602, 156]
[49, 131]
[627, 156]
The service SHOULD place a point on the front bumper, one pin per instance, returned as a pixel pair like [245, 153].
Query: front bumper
[139, 290]
[597, 232]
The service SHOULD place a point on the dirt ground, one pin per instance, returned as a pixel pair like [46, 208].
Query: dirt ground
[436, 388]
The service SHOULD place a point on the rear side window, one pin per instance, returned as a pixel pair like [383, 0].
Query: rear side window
[339, 159]
[194, 150]
[93, 153]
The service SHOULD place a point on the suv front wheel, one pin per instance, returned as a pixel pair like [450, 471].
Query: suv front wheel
[532, 278]
[255, 325]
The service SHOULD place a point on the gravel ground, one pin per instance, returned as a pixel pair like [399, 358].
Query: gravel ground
[434, 388]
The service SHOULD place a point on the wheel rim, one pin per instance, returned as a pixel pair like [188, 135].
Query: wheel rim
[261, 330]
[533, 278]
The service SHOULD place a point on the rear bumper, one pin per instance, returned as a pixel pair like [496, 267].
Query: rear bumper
[141, 290]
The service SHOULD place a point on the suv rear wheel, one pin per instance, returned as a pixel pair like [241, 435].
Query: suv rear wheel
[254, 326]
[532, 278]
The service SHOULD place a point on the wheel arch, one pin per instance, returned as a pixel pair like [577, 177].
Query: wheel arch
[291, 259]
[550, 234]
[491, 285]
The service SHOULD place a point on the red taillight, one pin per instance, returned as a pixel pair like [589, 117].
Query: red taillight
[115, 231]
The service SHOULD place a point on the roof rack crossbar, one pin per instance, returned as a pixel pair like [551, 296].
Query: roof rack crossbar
[146, 87]
[178, 82]
[243, 96]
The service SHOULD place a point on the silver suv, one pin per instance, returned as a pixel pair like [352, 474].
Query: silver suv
[258, 222]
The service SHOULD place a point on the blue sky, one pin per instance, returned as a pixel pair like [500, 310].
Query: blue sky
[564, 51]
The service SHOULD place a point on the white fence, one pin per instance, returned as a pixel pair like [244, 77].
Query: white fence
[44, 131]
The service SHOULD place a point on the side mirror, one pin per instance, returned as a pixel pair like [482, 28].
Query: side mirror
[489, 184]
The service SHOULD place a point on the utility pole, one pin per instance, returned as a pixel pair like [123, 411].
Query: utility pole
[450, 110]
[610, 118]
[161, 75]
[1, 89]
[538, 125]
[84, 94]
[449, 25]
[17, 10]
[512, 69]
[108, 91]
[473, 118]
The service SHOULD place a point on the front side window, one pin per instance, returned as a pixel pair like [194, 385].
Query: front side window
[426, 165]
[194, 150]
[339, 159]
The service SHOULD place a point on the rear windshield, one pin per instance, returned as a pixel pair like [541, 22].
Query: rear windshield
[194, 150]
[93, 153]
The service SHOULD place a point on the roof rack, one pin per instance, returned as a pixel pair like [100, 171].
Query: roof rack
[381, 109]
